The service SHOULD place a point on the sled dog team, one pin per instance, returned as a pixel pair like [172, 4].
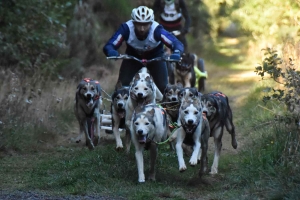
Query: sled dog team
[188, 119]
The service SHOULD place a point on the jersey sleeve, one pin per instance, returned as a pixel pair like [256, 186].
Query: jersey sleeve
[117, 39]
[160, 34]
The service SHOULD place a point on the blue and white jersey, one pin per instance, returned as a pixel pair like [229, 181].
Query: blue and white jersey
[142, 45]
[151, 47]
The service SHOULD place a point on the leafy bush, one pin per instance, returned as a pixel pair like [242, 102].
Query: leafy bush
[32, 32]
[284, 74]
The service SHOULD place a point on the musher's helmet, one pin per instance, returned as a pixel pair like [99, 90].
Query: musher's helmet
[168, 2]
[142, 14]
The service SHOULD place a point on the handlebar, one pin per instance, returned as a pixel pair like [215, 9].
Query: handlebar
[143, 61]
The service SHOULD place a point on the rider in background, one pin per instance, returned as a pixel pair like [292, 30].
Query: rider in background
[171, 13]
[145, 39]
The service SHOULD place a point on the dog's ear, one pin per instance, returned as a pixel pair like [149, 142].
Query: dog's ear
[151, 112]
[137, 76]
[179, 85]
[138, 109]
[118, 85]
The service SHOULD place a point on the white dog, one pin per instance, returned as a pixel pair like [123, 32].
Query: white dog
[194, 131]
[149, 126]
[142, 91]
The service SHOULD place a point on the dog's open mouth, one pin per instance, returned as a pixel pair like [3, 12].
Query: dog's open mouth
[139, 100]
[189, 129]
[90, 103]
[142, 139]
[121, 113]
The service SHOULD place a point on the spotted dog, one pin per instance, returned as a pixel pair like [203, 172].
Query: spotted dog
[194, 131]
[149, 126]
[219, 115]
[119, 99]
[87, 111]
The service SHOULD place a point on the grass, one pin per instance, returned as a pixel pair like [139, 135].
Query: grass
[78, 171]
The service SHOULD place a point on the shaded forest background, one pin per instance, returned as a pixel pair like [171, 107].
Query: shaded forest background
[46, 47]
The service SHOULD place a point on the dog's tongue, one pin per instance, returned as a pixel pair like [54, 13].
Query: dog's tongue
[142, 139]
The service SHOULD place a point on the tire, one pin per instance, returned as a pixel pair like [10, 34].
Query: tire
[201, 81]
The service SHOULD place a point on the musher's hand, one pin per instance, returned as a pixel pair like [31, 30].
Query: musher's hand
[112, 53]
[175, 55]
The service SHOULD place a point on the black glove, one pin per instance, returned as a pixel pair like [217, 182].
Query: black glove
[112, 53]
[184, 31]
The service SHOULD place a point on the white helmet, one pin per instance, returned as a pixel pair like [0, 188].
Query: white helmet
[168, 2]
[142, 14]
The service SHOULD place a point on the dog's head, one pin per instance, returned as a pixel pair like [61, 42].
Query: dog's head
[186, 64]
[188, 93]
[142, 89]
[119, 98]
[89, 90]
[215, 104]
[171, 92]
[143, 124]
[190, 114]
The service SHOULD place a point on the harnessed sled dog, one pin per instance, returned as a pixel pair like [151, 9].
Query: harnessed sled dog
[219, 115]
[194, 131]
[149, 126]
[87, 111]
[171, 101]
[142, 91]
[119, 99]
[183, 71]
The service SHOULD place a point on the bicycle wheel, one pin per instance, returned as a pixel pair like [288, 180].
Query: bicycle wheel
[201, 81]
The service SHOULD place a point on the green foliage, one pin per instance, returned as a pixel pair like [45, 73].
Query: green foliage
[32, 32]
[267, 18]
[283, 74]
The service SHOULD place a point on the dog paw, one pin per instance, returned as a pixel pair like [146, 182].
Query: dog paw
[193, 162]
[234, 144]
[119, 148]
[141, 180]
[152, 178]
[182, 169]
[213, 171]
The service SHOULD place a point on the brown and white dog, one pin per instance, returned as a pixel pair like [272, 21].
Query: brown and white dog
[219, 115]
[194, 131]
[183, 71]
[87, 111]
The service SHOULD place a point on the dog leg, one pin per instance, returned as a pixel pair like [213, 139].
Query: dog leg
[140, 163]
[218, 145]
[127, 140]
[204, 146]
[180, 135]
[231, 129]
[194, 158]
[88, 139]
[97, 125]
[81, 133]
[153, 156]
[187, 79]
[119, 144]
